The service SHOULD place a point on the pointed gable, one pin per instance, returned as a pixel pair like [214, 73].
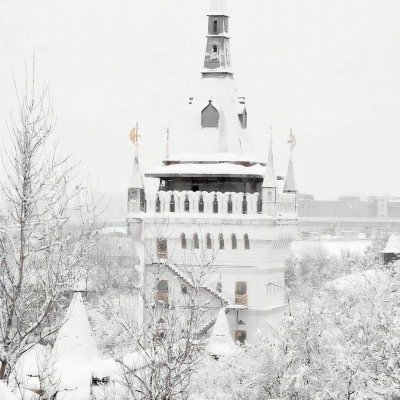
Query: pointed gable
[75, 355]
[270, 180]
[221, 342]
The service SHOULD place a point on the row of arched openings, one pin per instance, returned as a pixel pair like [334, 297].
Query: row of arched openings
[209, 241]
[215, 204]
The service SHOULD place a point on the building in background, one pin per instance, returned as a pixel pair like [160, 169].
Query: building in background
[350, 206]
[218, 202]
[349, 215]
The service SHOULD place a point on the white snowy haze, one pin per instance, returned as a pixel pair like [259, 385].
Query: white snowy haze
[327, 69]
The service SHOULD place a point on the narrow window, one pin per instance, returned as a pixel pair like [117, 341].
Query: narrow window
[244, 206]
[184, 289]
[183, 241]
[209, 117]
[215, 28]
[162, 291]
[201, 204]
[214, 56]
[208, 241]
[246, 242]
[221, 241]
[241, 293]
[172, 204]
[196, 244]
[215, 205]
[230, 204]
[158, 204]
[162, 248]
[240, 336]
[187, 203]
[234, 242]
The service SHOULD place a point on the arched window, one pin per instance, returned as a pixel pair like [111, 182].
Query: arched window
[209, 116]
[234, 241]
[183, 241]
[246, 242]
[221, 241]
[196, 243]
[187, 204]
[215, 205]
[214, 53]
[208, 241]
[215, 26]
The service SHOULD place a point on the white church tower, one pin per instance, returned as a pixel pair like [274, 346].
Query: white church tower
[217, 200]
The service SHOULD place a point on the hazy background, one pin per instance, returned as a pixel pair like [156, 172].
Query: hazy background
[327, 69]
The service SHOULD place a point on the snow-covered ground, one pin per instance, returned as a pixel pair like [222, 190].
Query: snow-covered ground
[332, 248]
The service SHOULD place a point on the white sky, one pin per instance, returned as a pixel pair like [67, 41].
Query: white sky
[327, 69]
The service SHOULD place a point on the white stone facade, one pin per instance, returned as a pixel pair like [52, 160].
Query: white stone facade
[188, 224]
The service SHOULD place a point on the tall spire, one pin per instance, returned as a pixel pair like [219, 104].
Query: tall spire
[167, 146]
[136, 178]
[270, 180]
[218, 7]
[290, 183]
[217, 58]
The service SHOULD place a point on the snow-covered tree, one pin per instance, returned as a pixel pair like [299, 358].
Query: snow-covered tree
[42, 250]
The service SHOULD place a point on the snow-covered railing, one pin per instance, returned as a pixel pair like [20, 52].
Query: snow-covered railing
[215, 203]
[286, 204]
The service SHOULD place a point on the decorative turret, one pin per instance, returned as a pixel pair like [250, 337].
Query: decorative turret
[136, 185]
[269, 186]
[221, 342]
[290, 183]
[217, 58]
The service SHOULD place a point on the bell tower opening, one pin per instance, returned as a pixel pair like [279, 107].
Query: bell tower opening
[215, 27]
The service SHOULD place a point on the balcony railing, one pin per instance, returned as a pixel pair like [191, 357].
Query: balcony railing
[165, 202]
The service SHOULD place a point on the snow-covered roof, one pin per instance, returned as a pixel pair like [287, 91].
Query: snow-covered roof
[361, 279]
[199, 170]
[221, 342]
[215, 157]
[229, 138]
[393, 244]
[74, 356]
[218, 7]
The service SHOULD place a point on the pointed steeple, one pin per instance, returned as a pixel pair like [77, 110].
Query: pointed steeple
[270, 180]
[218, 8]
[221, 342]
[74, 356]
[290, 183]
[136, 177]
[167, 147]
[136, 198]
